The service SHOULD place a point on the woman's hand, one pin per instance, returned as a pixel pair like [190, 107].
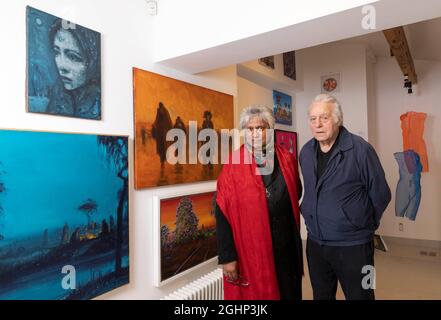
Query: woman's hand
[231, 270]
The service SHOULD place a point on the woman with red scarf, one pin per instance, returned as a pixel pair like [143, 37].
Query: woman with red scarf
[257, 216]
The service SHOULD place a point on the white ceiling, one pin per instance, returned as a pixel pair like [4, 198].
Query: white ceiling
[324, 29]
[424, 39]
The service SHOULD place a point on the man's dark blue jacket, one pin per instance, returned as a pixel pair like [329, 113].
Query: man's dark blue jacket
[345, 205]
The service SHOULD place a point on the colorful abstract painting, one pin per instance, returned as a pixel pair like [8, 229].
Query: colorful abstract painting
[289, 64]
[162, 104]
[188, 233]
[282, 108]
[64, 215]
[288, 140]
[63, 67]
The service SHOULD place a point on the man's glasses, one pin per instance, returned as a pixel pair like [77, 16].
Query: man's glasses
[324, 118]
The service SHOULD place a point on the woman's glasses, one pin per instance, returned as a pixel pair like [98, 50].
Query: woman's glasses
[240, 281]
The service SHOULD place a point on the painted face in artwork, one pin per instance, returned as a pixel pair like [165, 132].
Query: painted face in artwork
[70, 61]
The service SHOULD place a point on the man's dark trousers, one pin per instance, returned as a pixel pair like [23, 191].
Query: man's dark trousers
[329, 264]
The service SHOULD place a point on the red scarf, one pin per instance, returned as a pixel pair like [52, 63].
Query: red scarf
[242, 198]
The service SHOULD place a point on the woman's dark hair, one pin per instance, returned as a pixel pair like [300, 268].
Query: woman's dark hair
[90, 45]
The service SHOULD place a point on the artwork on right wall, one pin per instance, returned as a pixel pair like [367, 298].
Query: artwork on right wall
[411, 163]
[330, 83]
[408, 193]
[63, 67]
[412, 126]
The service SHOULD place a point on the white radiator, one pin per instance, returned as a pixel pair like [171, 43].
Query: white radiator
[208, 287]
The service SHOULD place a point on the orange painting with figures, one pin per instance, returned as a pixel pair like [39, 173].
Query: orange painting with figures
[162, 103]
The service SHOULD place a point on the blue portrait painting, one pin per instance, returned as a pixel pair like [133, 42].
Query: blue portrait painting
[282, 108]
[64, 215]
[63, 67]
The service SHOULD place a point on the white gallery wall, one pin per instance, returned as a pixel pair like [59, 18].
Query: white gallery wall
[126, 31]
[250, 93]
[350, 61]
[391, 101]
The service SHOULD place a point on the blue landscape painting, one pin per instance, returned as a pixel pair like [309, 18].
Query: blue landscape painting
[64, 231]
[282, 108]
[63, 67]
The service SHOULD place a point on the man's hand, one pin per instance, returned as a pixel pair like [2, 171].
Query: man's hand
[231, 271]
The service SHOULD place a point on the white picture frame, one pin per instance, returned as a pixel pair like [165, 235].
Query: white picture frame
[157, 250]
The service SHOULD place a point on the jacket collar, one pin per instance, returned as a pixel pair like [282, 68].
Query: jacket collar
[344, 143]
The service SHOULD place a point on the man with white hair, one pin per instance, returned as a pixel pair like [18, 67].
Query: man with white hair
[345, 195]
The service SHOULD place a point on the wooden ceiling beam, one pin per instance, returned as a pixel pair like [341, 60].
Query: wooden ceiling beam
[400, 49]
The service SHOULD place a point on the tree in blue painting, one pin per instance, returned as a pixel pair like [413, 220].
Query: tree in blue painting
[116, 152]
[89, 207]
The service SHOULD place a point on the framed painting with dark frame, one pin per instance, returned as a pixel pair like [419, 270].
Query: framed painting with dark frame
[267, 62]
[288, 140]
[289, 64]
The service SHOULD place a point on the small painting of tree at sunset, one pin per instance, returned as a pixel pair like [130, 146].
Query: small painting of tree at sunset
[188, 233]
